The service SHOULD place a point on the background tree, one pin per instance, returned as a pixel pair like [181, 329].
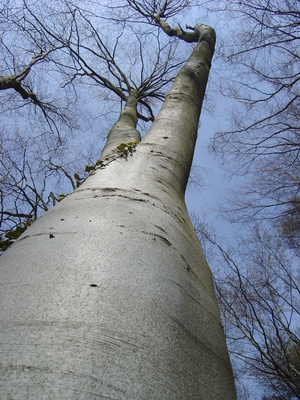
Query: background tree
[108, 293]
[257, 283]
[28, 58]
[263, 141]
[38, 120]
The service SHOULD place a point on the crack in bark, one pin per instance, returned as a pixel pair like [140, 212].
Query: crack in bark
[155, 235]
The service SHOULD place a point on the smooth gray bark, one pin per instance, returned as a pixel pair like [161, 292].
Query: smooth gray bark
[123, 132]
[108, 295]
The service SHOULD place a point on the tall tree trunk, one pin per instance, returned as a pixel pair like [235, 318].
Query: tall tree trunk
[108, 295]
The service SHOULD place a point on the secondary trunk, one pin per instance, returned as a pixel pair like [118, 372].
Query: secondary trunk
[108, 295]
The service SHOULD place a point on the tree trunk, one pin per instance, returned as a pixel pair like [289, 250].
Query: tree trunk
[108, 295]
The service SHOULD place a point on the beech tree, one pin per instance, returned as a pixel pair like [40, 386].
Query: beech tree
[108, 294]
